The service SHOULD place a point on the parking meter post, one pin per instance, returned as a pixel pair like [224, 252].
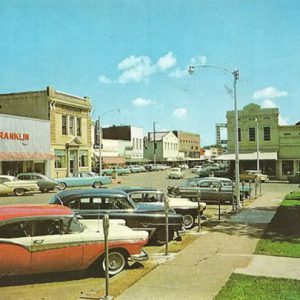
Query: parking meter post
[219, 203]
[106, 231]
[233, 201]
[199, 217]
[167, 207]
[255, 187]
[259, 186]
[250, 187]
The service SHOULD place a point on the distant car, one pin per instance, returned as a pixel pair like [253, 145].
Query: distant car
[49, 238]
[44, 183]
[176, 173]
[185, 207]
[183, 166]
[135, 168]
[118, 169]
[294, 178]
[196, 168]
[210, 190]
[94, 203]
[12, 185]
[82, 179]
[252, 175]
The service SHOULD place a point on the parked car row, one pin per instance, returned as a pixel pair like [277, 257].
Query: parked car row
[33, 238]
[32, 182]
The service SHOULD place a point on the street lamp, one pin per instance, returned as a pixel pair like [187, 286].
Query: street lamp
[257, 145]
[100, 137]
[235, 73]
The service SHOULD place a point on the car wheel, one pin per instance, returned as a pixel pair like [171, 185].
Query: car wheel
[62, 186]
[97, 184]
[160, 236]
[19, 192]
[116, 262]
[188, 221]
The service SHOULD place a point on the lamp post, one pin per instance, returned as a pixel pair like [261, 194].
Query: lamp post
[235, 73]
[257, 145]
[100, 137]
[154, 145]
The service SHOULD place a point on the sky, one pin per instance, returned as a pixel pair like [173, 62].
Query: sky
[133, 55]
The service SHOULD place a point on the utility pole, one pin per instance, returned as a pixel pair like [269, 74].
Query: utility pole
[154, 144]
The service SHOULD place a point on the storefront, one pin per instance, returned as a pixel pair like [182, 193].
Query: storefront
[24, 145]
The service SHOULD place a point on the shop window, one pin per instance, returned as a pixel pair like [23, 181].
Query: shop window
[71, 125]
[267, 134]
[78, 126]
[252, 134]
[287, 167]
[60, 161]
[83, 158]
[64, 125]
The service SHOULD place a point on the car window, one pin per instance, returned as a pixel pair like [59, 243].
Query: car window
[204, 184]
[84, 203]
[15, 230]
[115, 203]
[3, 179]
[72, 226]
[36, 177]
[47, 227]
[145, 197]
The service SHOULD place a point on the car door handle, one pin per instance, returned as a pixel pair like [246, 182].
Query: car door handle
[38, 242]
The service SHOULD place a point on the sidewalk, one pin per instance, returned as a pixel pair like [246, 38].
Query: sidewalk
[202, 268]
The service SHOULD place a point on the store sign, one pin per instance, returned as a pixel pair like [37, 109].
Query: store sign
[4, 135]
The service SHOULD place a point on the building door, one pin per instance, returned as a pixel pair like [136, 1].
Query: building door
[73, 161]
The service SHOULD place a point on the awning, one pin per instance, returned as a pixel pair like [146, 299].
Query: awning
[23, 156]
[113, 160]
[137, 160]
[248, 156]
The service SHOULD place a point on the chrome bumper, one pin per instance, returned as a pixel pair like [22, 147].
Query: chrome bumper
[140, 257]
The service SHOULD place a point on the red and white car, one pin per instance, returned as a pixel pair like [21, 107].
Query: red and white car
[49, 238]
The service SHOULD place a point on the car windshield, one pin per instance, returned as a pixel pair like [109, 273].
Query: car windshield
[190, 182]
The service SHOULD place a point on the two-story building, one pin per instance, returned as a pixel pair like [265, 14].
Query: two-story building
[70, 126]
[162, 147]
[279, 146]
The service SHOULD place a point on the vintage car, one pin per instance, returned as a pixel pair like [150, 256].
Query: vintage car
[211, 189]
[49, 238]
[117, 169]
[135, 169]
[176, 173]
[11, 185]
[185, 207]
[44, 183]
[94, 203]
[252, 175]
[294, 178]
[83, 179]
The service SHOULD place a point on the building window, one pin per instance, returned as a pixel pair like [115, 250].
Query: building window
[287, 167]
[60, 161]
[267, 134]
[64, 125]
[71, 125]
[239, 134]
[78, 126]
[252, 134]
[83, 158]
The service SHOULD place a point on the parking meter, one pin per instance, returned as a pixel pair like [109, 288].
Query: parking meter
[167, 208]
[199, 207]
[106, 231]
[233, 193]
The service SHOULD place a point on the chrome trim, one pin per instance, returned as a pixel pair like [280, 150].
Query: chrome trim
[140, 257]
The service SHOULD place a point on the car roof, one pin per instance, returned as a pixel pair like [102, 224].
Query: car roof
[91, 192]
[136, 189]
[32, 210]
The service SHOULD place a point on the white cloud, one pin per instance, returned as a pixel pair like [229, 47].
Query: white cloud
[179, 73]
[268, 104]
[135, 68]
[282, 120]
[199, 60]
[166, 62]
[103, 79]
[268, 93]
[180, 113]
[141, 102]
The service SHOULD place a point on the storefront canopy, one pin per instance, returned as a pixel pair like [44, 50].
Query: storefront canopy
[248, 156]
[22, 156]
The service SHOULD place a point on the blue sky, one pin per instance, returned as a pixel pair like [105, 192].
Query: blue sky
[134, 55]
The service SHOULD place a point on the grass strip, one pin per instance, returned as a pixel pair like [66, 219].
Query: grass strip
[245, 287]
